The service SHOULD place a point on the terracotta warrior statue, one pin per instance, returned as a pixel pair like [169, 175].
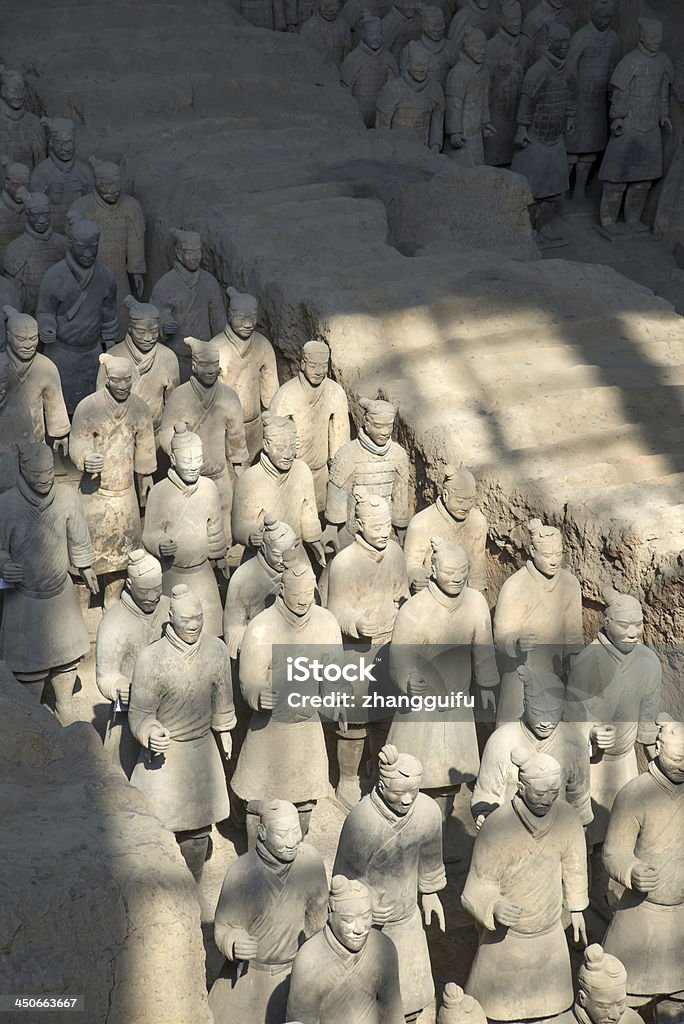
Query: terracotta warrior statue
[458, 1008]
[401, 25]
[76, 312]
[31, 255]
[112, 444]
[414, 101]
[273, 898]
[62, 176]
[319, 409]
[122, 226]
[22, 138]
[594, 53]
[248, 364]
[357, 12]
[538, 617]
[154, 366]
[479, 14]
[328, 32]
[189, 299]
[529, 863]
[348, 971]
[35, 378]
[284, 755]
[366, 585]
[281, 484]
[509, 55]
[184, 527]
[135, 621]
[538, 18]
[443, 52]
[17, 177]
[16, 426]
[212, 410]
[255, 583]
[643, 852]
[468, 121]
[181, 691]
[43, 532]
[613, 694]
[540, 729]
[441, 645]
[601, 992]
[639, 111]
[368, 67]
[371, 464]
[392, 842]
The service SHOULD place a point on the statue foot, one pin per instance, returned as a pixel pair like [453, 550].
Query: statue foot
[348, 792]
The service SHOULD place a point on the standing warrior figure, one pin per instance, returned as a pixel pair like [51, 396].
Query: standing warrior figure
[76, 313]
[273, 898]
[357, 12]
[348, 971]
[414, 101]
[536, 23]
[248, 364]
[9, 296]
[22, 138]
[34, 378]
[16, 426]
[181, 691]
[601, 992]
[468, 121]
[154, 366]
[328, 32]
[443, 52]
[112, 444]
[614, 695]
[639, 111]
[594, 53]
[29, 256]
[529, 863]
[184, 527]
[61, 175]
[189, 299]
[401, 25]
[458, 1008]
[509, 55]
[538, 617]
[318, 406]
[477, 14]
[392, 842]
[17, 177]
[133, 623]
[212, 410]
[122, 226]
[441, 644]
[367, 68]
[43, 532]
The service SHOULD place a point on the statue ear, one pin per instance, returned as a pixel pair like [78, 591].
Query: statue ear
[581, 998]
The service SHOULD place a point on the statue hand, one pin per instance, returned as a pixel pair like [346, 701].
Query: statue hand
[89, 577]
[432, 904]
[340, 717]
[416, 686]
[226, 743]
[319, 552]
[617, 127]
[367, 626]
[644, 878]
[521, 139]
[61, 444]
[12, 572]
[527, 642]
[506, 913]
[488, 699]
[168, 547]
[291, 28]
[267, 699]
[222, 565]
[457, 140]
[479, 821]
[579, 928]
[124, 694]
[146, 483]
[488, 130]
[666, 123]
[255, 538]
[382, 912]
[420, 581]
[245, 948]
[94, 463]
[169, 327]
[48, 335]
[160, 740]
[603, 736]
[570, 126]
[138, 285]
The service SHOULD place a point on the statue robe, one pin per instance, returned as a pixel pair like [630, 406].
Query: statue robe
[249, 367]
[278, 904]
[63, 183]
[289, 496]
[193, 301]
[398, 858]
[332, 39]
[472, 16]
[191, 515]
[552, 609]
[321, 416]
[623, 690]
[647, 930]
[536, 20]
[123, 632]
[11, 220]
[436, 521]
[331, 985]
[540, 864]
[16, 427]
[42, 625]
[155, 375]
[508, 58]
[187, 689]
[251, 588]
[594, 56]
[37, 382]
[9, 296]
[364, 72]
[398, 30]
[22, 136]
[414, 107]
[467, 109]
[123, 434]
[448, 642]
[362, 466]
[27, 260]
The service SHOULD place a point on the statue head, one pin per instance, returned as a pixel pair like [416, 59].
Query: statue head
[602, 986]
[434, 25]
[602, 14]
[143, 323]
[186, 614]
[546, 548]
[557, 37]
[399, 779]
[458, 1008]
[118, 376]
[624, 619]
[186, 455]
[17, 177]
[37, 467]
[278, 538]
[511, 17]
[242, 313]
[539, 780]
[279, 829]
[407, 7]
[12, 88]
[144, 580]
[557, 4]
[372, 32]
[650, 34]
[4, 379]
[61, 139]
[418, 66]
[475, 44]
[107, 180]
[374, 519]
[36, 210]
[328, 9]
[280, 440]
[459, 492]
[543, 701]
[188, 248]
[315, 358]
[449, 566]
[670, 749]
[206, 363]
[378, 416]
[22, 333]
[84, 242]
[350, 913]
[297, 584]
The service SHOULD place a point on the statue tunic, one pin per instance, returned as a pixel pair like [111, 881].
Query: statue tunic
[155, 375]
[593, 55]
[437, 521]
[362, 466]
[9, 296]
[364, 72]
[398, 30]
[508, 58]
[415, 106]
[16, 427]
[28, 258]
[252, 587]
[535, 22]
[193, 300]
[467, 109]
[443, 55]
[332, 39]
[22, 136]
[38, 383]
[63, 183]
[290, 496]
[249, 367]
[472, 16]
[11, 220]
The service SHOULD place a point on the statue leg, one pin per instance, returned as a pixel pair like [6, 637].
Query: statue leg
[635, 203]
[349, 754]
[33, 683]
[305, 810]
[582, 169]
[63, 679]
[611, 201]
[194, 846]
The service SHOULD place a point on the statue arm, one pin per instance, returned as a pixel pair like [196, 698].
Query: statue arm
[109, 329]
[665, 92]
[54, 409]
[46, 310]
[492, 778]
[574, 865]
[578, 787]
[338, 424]
[222, 707]
[506, 622]
[431, 870]
[81, 438]
[483, 887]
[229, 924]
[247, 515]
[484, 657]
[217, 310]
[145, 459]
[255, 666]
[135, 238]
[621, 838]
[477, 576]
[455, 99]
[316, 913]
[649, 708]
[107, 675]
[400, 488]
[79, 545]
[268, 376]
[145, 700]
[310, 523]
[436, 137]
[307, 990]
[236, 443]
[152, 527]
[216, 536]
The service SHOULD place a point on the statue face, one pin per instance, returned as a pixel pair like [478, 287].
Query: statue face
[315, 369]
[401, 793]
[273, 550]
[282, 837]
[329, 9]
[540, 795]
[605, 1005]
[547, 556]
[602, 16]
[476, 48]
[119, 384]
[190, 255]
[24, 342]
[450, 573]
[542, 730]
[407, 7]
[298, 593]
[84, 251]
[243, 322]
[146, 591]
[418, 67]
[206, 368]
[511, 19]
[144, 334]
[281, 448]
[39, 220]
[39, 478]
[379, 429]
[651, 37]
[670, 753]
[433, 25]
[624, 630]
[63, 145]
[559, 45]
[372, 34]
[458, 500]
[351, 922]
[15, 182]
[109, 189]
[376, 529]
[187, 622]
[188, 463]
[14, 93]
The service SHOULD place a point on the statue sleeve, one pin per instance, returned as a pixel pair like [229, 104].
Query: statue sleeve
[307, 990]
[506, 620]
[81, 439]
[338, 425]
[349, 68]
[56, 416]
[216, 536]
[169, 416]
[573, 640]
[483, 886]
[152, 530]
[620, 87]
[528, 98]
[81, 554]
[145, 461]
[649, 707]
[345, 614]
[574, 864]
[107, 675]
[400, 510]
[431, 870]
[492, 777]
[484, 657]
[246, 515]
[577, 787]
[437, 123]
[268, 376]
[145, 698]
[455, 98]
[388, 999]
[236, 443]
[622, 834]
[385, 105]
[310, 523]
[217, 310]
[47, 306]
[316, 913]
[109, 330]
[234, 617]
[222, 708]
[401, 586]
[255, 665]
[477, 575]
[135, 238]
[665, 87]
